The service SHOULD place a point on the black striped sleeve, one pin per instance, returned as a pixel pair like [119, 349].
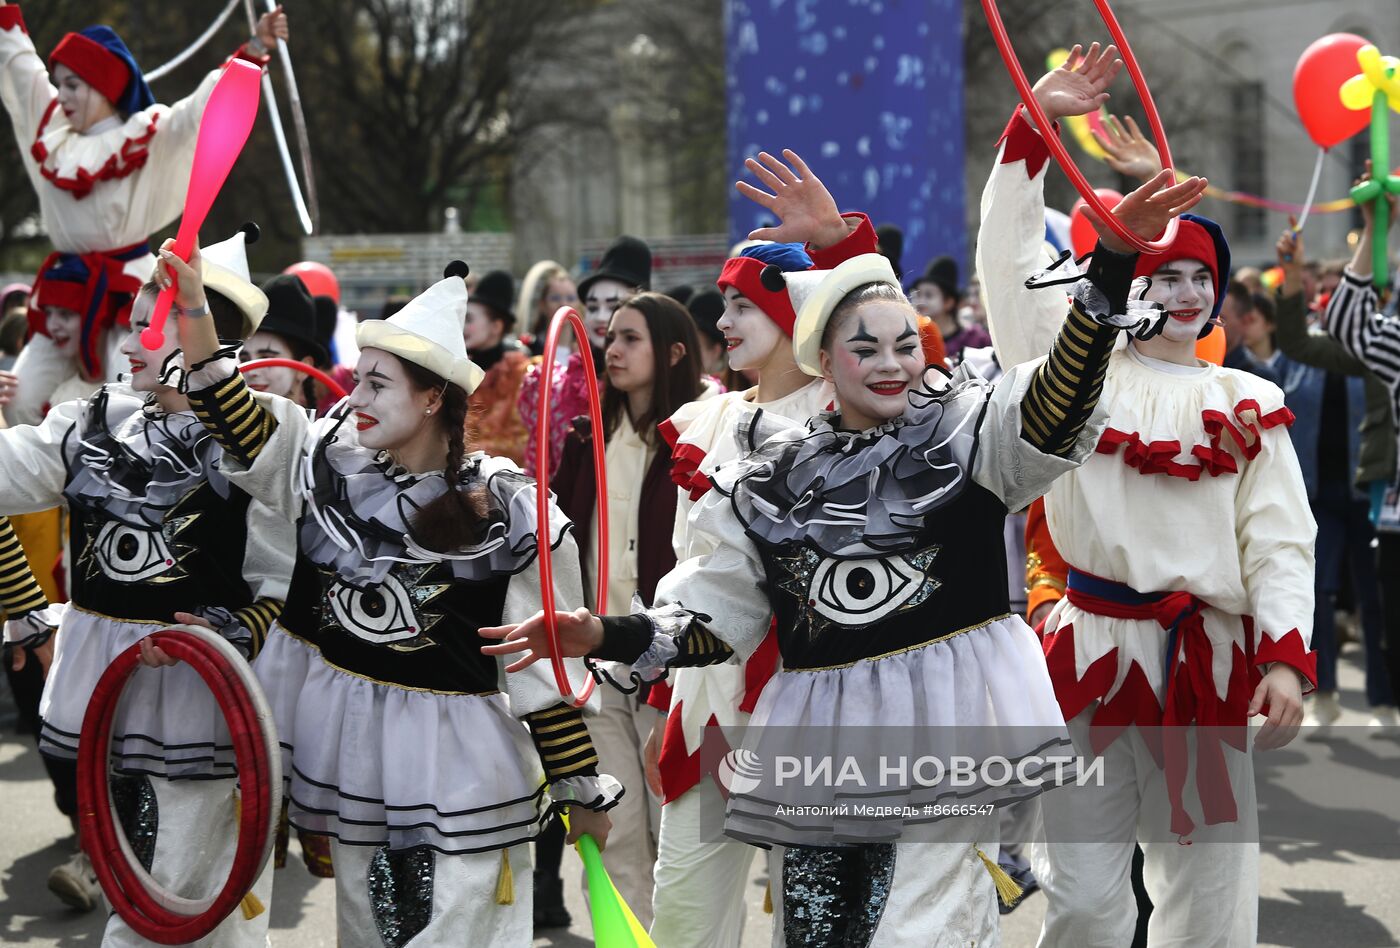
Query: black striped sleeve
[19, 590]
[1065, 389]
[627, 638]
[240, 425]
[1353, 319]
[257, 619]
[562, 740]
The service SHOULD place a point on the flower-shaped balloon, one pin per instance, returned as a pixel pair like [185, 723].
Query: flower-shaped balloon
[1377, 86]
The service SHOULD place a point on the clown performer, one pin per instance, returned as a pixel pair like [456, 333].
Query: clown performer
[109, 167]
[701, 878]
[873, 534]
[291, 331]
[401, 741]
[158, 535]
[1190, 595]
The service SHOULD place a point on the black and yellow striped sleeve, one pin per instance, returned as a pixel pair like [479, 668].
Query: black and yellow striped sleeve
[240, 425]
[19, 590]
[562, 740]
[257, 619]
[1066, 387]
[627, 638]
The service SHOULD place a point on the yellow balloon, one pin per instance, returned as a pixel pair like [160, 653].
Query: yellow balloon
[1358, 93]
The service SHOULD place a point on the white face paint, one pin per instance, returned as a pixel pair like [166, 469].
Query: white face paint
[482, 330]
[750, 336]
[1187, 291]
[604, 297]
[65, 328]
[873, 358]
[278, 381]
[82, 105]
[146, 364]
[388, 411]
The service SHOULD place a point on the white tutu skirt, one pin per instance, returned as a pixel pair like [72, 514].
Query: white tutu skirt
[888, 747]
[371, 763]
[167, 723]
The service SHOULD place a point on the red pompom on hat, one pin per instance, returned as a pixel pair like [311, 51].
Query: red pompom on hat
[1193, 242]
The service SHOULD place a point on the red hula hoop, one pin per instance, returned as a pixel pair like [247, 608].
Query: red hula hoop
[302, 367]
[121, 881]
[1057, 147]
[568, 316]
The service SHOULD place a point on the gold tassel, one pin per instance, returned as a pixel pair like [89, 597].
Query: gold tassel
[505, 885]
[1007, 888]
[768, 898]
[252, 906]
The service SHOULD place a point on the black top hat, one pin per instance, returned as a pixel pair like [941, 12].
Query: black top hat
[943, 273]
[706, 307]
[628, 261]
[291, 314]
[496, 291]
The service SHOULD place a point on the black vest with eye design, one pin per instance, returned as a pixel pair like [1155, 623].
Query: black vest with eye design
[154, 528]
[378, 604]
[878, 541]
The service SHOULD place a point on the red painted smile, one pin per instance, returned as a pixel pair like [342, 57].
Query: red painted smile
[888, 388]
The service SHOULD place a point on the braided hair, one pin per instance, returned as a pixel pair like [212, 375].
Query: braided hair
[457, 518]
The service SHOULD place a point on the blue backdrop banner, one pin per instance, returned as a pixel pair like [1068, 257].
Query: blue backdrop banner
[870, 94]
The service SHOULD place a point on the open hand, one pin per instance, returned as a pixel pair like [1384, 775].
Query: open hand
[1080, 85]
[44, 653]
[580, 633]
[1282, 691]
[805, 209]
[1147, 210]
[651, 756]
[1127, 150]
[9, 385]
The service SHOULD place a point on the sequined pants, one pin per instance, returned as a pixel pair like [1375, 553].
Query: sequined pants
[900, 895]
[421, 898]
[193, 829]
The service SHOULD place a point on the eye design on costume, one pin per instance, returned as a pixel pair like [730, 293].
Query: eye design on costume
[858, 592]
[128, 555]
[379, 614]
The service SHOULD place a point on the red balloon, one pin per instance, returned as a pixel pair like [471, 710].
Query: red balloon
[1317, 84]
[319, 279]
[1082, 235]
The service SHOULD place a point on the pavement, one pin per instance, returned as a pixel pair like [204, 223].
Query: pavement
[1330, 864]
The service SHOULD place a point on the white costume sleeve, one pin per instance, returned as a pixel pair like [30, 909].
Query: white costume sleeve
[534, 688]
[25, 89]
[723, 578]
[32, 470]
[1010, 247]
[1277, 532]
[275, 473]
[1010, 466]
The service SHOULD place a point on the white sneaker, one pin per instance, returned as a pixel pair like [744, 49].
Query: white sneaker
[76, 884]
[1322, 712]
[1383, 716]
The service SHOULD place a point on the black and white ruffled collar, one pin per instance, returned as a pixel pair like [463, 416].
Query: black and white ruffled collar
[861, 493]
[361, 508]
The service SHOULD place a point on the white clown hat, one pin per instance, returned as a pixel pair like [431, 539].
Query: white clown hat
[226, 270]
[428, 331]
[815, 293]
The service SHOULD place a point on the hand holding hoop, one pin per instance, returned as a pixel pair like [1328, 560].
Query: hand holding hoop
[567, 316]
[1057, 148]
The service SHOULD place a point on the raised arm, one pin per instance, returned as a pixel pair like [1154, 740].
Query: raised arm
[1353, 313]
[1010, 244]
[1292, 334]
[25, 89]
